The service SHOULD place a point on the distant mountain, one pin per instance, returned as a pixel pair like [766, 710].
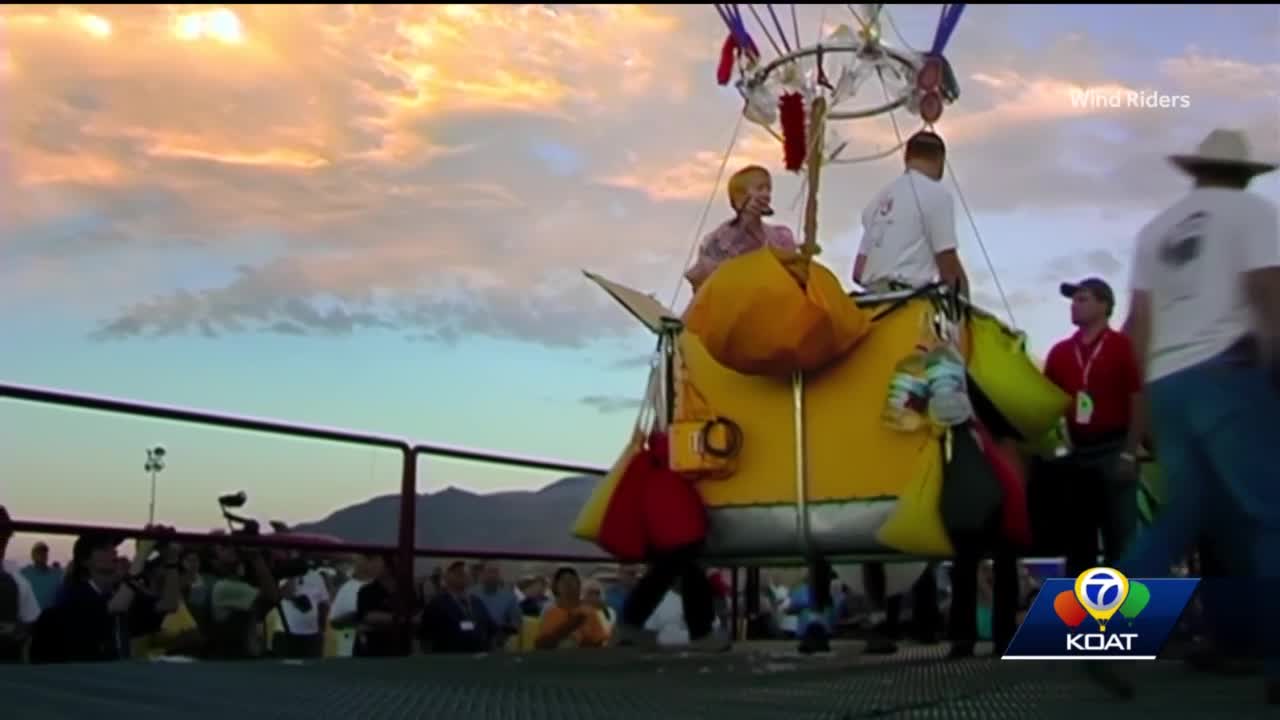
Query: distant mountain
[525, 521]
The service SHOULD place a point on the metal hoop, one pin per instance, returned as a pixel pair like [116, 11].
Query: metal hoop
[906, 61]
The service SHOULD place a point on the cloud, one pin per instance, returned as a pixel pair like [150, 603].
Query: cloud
[1220, 78]
[609, 404]
[445, 170]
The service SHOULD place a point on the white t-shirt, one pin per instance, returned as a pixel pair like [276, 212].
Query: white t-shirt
[906, 225]
[306, 623]
[344, 603]
[1191, 259]
[28, 605]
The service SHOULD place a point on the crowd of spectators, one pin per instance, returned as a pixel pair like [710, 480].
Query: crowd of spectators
[151, 598]
[228, 602]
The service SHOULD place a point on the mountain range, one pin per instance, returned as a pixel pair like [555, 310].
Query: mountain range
[536, 521]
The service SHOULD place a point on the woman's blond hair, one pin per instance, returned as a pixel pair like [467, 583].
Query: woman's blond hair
[742, 180]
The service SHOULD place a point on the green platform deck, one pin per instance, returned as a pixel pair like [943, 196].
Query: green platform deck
[765, 682]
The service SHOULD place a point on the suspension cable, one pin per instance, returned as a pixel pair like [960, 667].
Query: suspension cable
[995, 277]
[706, 210]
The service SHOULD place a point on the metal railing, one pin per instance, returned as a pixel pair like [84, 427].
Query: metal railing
[406, 548]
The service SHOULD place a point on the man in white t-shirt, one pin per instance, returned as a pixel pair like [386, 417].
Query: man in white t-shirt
[306, 611]
[909, 229]
[1205, 321]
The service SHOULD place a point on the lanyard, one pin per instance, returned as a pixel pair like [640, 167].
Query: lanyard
[464, 605]
[1086, 366]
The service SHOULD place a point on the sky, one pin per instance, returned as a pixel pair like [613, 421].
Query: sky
[377, 218]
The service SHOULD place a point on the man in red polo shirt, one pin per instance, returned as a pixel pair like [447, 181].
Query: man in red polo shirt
[1097, 367]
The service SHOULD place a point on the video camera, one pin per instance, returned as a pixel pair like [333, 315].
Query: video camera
[283, 565]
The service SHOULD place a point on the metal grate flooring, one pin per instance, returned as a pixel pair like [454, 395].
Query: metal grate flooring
[757, 682]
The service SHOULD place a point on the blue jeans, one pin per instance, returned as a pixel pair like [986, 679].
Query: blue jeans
[1217, 429]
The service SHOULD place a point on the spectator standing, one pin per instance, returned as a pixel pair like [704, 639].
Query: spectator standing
[378, 634]
[455, 621]
[500, 601]
[19, 608]
[43, 578]
[305, 612]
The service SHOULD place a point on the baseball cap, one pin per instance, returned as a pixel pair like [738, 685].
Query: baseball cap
[1096, 287]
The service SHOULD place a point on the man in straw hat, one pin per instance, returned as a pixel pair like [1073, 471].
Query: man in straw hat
[1205, 322]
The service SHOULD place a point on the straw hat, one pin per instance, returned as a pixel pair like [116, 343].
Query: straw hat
[1222, 149]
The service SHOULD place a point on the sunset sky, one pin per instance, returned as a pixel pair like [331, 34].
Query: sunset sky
[377, 217]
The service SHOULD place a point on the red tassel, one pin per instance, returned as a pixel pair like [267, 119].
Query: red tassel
[727, 53]
[794, 143]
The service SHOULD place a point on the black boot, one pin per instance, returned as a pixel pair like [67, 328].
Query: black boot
[815, 640]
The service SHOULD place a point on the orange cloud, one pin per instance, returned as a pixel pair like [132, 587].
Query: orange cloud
[458, 158]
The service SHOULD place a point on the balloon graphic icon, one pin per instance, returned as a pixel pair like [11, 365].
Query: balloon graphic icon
[1137, 600]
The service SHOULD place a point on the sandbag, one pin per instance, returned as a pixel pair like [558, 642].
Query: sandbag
[1000, 365]
[971, 493]
[915, 527]
[769, 313]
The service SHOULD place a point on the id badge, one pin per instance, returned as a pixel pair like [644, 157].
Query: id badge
[467, 626]
[1084, 408]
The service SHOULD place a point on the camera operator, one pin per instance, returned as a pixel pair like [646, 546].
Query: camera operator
[99, 610]
[243, 593]
[174, 629]
[159, 596]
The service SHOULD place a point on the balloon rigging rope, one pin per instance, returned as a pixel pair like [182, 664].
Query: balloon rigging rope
[706, 209]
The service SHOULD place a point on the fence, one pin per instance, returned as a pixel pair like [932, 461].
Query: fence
[406, 548]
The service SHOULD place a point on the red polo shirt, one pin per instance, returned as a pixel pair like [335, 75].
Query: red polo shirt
[1107, 370]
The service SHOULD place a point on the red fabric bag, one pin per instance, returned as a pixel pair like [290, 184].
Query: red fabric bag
[1015, 520]
[652, 508]
[622, 532]
[674, 514]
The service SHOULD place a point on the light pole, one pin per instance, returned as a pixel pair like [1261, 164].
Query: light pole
[155, 463]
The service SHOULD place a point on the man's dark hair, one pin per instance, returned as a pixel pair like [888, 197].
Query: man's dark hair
[926, 145]
[1227, 176]
[563, 572]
